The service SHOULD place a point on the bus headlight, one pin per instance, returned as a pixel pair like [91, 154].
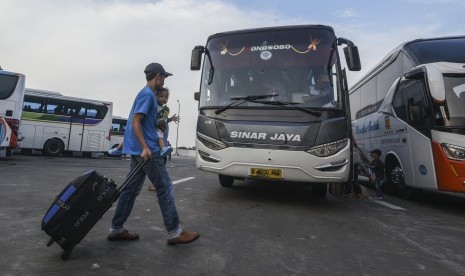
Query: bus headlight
[453, 151]
[328, 149]
[210, 142]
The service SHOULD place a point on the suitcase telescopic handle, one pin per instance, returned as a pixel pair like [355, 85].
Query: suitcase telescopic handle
[132, 174]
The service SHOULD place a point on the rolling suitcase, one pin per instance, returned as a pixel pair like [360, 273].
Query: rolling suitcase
[79, 206]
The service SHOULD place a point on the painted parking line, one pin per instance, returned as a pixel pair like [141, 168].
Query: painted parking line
[183, 180]
[389, 205]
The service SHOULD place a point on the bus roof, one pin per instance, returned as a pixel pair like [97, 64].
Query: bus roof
[10, 73]
[390, 57]
[57, 95]
[278, 28]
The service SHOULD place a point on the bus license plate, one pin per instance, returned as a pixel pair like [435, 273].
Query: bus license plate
[266, 173]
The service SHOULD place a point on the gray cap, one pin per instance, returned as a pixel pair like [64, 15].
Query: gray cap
[156, 68]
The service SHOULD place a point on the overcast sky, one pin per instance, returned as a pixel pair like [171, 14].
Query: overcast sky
[98, 49]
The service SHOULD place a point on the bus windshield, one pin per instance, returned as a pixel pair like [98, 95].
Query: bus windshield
[452, 113]
[7, 85]
[295, 68]
[437, 50]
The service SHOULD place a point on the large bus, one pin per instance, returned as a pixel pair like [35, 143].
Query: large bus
[263, 112]
[412, 107]
[54, 123]
[118, 127]
[11, 102]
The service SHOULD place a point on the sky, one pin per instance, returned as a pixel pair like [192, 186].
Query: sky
[98, 49]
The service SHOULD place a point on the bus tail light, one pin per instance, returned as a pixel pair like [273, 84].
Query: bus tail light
[329, 148]
[454, 152]
[14, 125]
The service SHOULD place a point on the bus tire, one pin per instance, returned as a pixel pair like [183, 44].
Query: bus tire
[53, 147]
[319, 190]
[395, 177]
[226, 181]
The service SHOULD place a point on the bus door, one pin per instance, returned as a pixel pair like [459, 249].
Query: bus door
[76, 129]
[419, 121]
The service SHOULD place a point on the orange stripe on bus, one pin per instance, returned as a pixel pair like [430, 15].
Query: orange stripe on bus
[450, 173]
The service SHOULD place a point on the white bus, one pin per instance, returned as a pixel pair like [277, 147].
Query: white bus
[262, 113]
[412, 107]
[54, 123]
[118, 127]
[11, 102]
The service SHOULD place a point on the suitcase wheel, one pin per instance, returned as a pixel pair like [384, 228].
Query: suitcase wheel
[65, 254]
[50, 242]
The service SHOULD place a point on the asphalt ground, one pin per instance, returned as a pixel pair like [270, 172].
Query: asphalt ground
[253, 228]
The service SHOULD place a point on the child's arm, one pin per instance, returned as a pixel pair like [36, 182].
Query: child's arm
[174, 118]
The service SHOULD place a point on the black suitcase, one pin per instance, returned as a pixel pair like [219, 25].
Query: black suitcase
[79, 206]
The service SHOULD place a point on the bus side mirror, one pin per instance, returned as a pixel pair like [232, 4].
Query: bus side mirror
[197, 96]
[352, 58]
[196, 57]
[415, 74]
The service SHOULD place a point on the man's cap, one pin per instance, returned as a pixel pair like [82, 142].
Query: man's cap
[377, 151]
[156, 68]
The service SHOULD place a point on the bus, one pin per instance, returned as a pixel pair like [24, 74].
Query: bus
[11, 101]
[53, 123]
[263, 113]
[411, 106]
[118, 127]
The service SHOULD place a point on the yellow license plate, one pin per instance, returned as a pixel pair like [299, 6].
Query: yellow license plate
[266, 173]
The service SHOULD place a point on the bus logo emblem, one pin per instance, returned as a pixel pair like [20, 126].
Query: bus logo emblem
[266, 55]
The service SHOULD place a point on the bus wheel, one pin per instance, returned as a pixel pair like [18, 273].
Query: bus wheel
[320, 189]
[53, 147]
[396, 179]
[226, 181]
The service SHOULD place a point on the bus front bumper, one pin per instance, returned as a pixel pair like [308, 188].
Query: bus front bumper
[298, 166]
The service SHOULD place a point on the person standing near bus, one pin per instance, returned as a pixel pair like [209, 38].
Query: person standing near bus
[378, 167]
[140, 141]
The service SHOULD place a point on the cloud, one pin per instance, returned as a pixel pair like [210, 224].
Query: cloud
[347, 13]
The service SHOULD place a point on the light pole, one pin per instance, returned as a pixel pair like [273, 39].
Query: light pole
[177, 129]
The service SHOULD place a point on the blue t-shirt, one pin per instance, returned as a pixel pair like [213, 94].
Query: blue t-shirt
[146, 104]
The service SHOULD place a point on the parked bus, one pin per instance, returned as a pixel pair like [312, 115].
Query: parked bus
[412, 107]
[54, 123]
[11, 101]
[118, 127]
[274, 104]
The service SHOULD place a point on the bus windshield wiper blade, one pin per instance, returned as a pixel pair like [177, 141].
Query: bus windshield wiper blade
[241, 100]
[306, 110]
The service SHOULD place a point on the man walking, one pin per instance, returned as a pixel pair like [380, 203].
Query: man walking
[140, 141]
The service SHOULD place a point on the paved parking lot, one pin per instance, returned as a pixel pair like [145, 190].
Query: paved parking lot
[254, 228]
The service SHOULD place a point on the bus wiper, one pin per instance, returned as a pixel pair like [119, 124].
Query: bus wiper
[241, 100]
[306, 110]
[328, 67]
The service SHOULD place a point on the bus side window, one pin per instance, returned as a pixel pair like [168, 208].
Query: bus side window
[418, 115]
[51, 108]
[115, 127]
[91, 113]
[32, 105]
[80, 112]
[399, 104]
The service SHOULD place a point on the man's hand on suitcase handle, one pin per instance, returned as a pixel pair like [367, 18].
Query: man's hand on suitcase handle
[146, 153]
